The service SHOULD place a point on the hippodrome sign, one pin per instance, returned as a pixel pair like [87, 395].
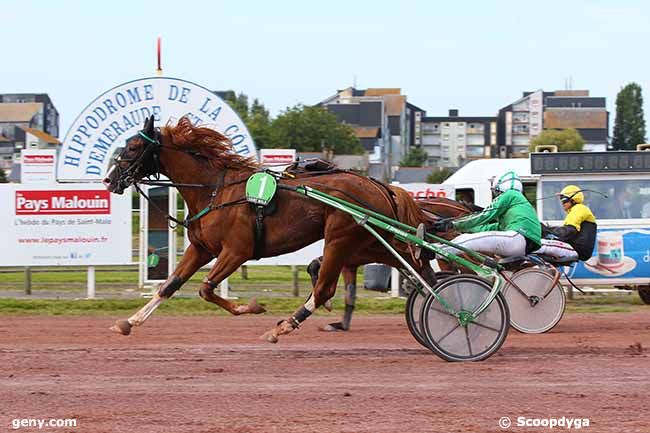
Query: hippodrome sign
[118, 114]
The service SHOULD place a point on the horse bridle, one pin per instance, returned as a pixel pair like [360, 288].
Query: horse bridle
[147, 163]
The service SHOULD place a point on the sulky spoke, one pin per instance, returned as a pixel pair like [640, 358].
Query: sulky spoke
[448, 333]
[469, 345]
[485, 326]
[443, 311]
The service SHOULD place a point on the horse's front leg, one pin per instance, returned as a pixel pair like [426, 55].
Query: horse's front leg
[192, 260]
[226, 264]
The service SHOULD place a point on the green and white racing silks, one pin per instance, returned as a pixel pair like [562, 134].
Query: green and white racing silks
[509, 211]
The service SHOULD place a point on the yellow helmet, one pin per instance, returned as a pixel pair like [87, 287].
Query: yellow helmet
[572, 192]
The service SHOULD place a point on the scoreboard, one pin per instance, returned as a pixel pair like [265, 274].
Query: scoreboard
[590, 162]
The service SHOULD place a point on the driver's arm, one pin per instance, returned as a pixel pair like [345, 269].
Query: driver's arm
[565, 233]
[496, 209]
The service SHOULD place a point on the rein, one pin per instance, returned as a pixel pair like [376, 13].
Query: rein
[189, 219]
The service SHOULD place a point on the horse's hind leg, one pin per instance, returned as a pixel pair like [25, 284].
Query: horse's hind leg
[226, 264]
[312, 269]
[350, 279]
[192, 260]
[333, 259]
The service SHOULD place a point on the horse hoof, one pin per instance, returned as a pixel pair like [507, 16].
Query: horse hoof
[122, 327]
[333, 327]
[255, 308]
[269, 337]
[328, 305]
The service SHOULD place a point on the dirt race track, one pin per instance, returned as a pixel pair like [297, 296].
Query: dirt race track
[212, 374]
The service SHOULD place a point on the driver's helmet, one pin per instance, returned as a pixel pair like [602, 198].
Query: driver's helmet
[505, 182]
[572, 193]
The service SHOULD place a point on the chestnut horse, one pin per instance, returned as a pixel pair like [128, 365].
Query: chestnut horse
[433, 209]
[211, 179]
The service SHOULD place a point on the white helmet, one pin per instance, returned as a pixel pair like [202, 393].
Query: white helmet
[505, 182]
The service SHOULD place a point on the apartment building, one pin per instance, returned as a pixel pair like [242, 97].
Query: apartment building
[452, 140]
[527, 117]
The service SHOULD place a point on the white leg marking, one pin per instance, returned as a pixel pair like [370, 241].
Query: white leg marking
[311, 303]
[143, 314]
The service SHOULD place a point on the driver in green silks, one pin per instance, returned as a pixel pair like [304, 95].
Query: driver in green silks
[507, 227]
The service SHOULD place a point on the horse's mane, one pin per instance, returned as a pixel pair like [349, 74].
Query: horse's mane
[209, 143]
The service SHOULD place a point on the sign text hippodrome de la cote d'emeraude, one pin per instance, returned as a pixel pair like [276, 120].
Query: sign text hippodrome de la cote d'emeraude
[108, 121]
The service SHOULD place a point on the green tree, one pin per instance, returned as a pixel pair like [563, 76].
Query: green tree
[3, 176]
[416, 157]
[566, 140]
[259, 124]
[239, 103]
[439, 176]
[629, 126]
[309, 129]
[256, 116]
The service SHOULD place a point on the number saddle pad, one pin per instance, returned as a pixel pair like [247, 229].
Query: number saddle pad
[261, 188]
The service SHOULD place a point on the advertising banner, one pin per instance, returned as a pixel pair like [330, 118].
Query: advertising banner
[37, 166]
[71, 225]
[618, 254]
[277, 159]
[428, 190]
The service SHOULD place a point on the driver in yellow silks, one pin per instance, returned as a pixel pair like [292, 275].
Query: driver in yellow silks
[578, 232]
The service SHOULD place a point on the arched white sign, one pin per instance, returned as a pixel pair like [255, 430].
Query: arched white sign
[117, 114]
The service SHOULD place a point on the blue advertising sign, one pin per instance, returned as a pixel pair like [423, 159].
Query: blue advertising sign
[618, 253]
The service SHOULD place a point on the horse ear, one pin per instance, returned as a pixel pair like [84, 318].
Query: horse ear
[148, 127]
[184, 122]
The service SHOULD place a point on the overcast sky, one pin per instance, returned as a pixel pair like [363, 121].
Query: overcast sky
[474, 56]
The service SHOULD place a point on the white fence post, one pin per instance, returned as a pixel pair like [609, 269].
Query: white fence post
[223, 289]
[394, 283]
[90, 292]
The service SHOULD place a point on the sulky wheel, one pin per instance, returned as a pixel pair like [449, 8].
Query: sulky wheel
[533, 308]
[413, 310]
[454, 339]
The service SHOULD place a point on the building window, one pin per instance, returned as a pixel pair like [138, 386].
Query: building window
[521, 129]
[445, 136]
[520, 117]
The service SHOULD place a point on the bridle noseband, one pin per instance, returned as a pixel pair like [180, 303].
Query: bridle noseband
[147, 163]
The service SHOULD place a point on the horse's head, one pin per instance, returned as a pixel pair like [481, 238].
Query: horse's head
[138, 159]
